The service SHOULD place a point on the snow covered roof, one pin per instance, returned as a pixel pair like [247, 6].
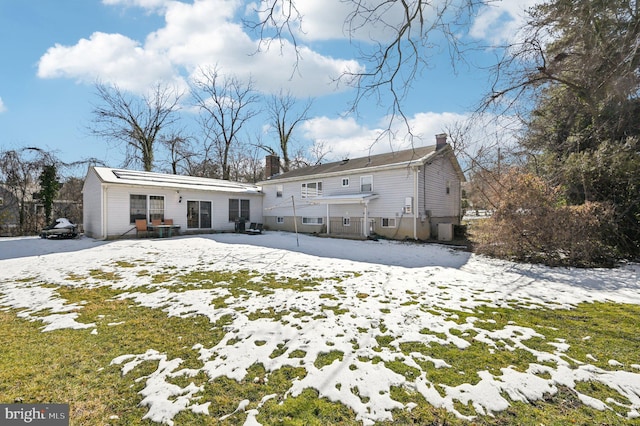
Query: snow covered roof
[139, 178]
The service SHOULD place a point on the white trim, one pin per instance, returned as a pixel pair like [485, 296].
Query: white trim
[360, 198]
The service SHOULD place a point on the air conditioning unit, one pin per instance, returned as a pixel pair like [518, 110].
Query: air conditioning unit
[408, 205]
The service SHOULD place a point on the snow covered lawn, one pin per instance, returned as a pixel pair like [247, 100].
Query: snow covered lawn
[389, 330]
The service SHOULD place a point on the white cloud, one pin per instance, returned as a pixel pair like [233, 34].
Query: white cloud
[145, 4]
[499, 22]
[110, 58]
[3, 108]
[345, 138]
[196, 34]
[336, 20]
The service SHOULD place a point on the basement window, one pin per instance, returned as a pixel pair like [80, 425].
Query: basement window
[388, 222]
[312, 220]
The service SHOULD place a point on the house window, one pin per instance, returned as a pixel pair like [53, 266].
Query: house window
[312, 220]
[138, 207]
[238, 209]
[280, 220]
[345, 181]
[279, 190]
[156, 207]
[346, 221]
[448, 190]
[311, 189]
[366, 183]
[199, 214]
[388, 222]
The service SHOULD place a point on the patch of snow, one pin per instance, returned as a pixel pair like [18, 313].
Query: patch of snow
[399, 292]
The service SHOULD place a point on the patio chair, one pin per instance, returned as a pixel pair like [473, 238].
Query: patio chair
[256, 230]
[141, 226]
[168, 221]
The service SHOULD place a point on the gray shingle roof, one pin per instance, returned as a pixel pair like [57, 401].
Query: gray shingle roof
[388, 159]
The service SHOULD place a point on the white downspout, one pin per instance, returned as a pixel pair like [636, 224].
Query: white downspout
[105, 215]
[365, 225]
[328, 221]
[415, 202]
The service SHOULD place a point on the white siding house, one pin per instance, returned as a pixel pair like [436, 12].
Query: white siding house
[114, 198]
[399, 195]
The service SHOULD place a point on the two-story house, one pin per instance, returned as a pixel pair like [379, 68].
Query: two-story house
[403, 194]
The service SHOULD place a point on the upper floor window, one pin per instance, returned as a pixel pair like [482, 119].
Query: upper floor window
[345, 181]
[311, 189]
[366, 183]
[279, 190]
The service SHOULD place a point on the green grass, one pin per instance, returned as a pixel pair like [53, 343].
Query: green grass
[74, 366]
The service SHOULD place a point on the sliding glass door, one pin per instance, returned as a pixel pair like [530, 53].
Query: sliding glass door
[199, 214]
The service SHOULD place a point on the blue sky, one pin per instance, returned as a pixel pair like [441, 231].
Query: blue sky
[54, 52]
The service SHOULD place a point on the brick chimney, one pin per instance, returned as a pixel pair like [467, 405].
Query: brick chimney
[441, 140]
[272, 166]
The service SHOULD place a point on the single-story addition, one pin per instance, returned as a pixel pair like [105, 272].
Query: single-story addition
[413, 193]
[115, 198]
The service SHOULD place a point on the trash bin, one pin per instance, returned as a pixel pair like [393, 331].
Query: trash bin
[239, 225]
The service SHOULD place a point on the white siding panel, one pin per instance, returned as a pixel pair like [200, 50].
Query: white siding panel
[92, 206]
[434, 189]
[118, 209]
[392, 186]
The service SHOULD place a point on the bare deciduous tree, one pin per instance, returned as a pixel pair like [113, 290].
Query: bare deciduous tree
[180, 151]
[136, 122]
[19, 187]
[405, 35]
[284, 117]
[226, 105]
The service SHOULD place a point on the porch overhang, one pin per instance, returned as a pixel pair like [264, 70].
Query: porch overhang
[360, 198]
